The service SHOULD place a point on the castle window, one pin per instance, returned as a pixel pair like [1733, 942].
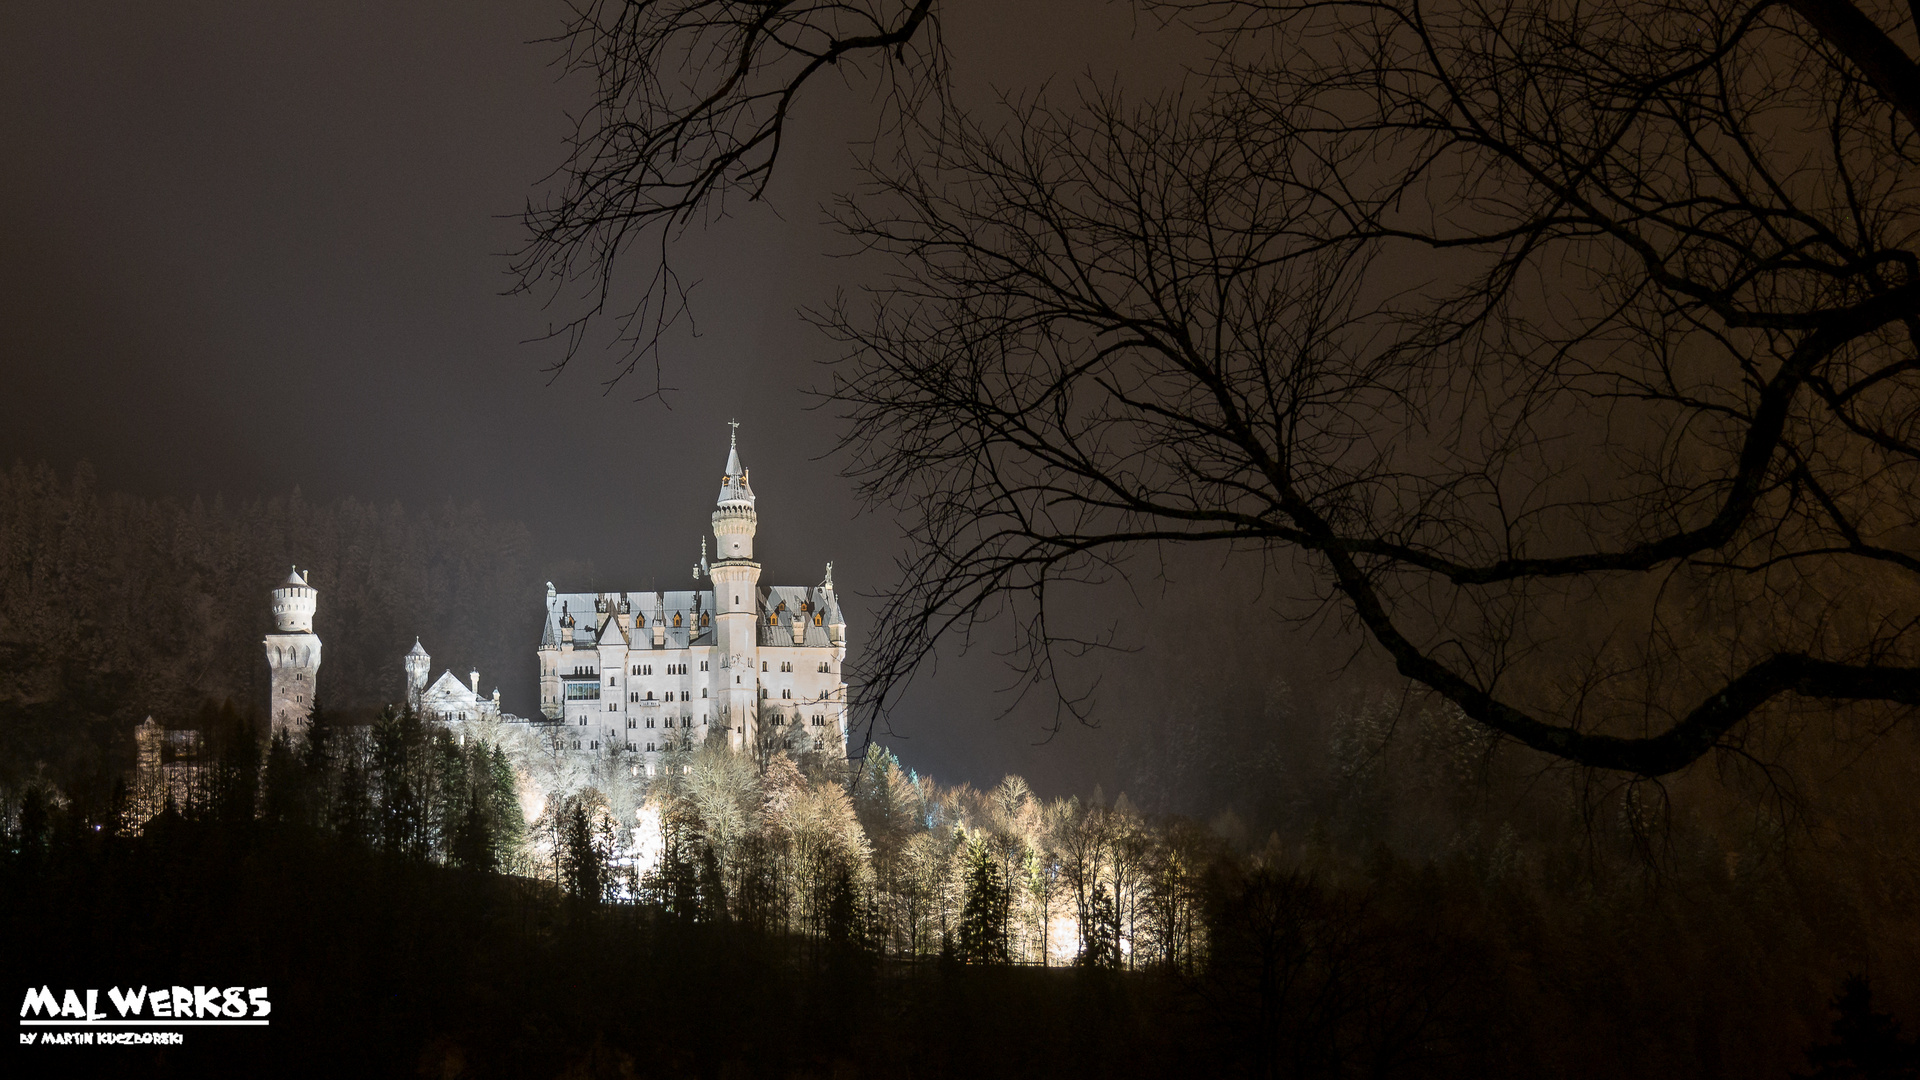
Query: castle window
[763, 693]
[703, 665]
[649, 748]
[583, 721]
[649, 695]
[705, 620]
[703, 692]
[632, 723]
[576, 744]
[763, 665]
[676, 618]
[596, 745]
[786, 692]
[816, 619]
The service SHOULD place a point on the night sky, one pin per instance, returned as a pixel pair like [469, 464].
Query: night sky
[250, 248]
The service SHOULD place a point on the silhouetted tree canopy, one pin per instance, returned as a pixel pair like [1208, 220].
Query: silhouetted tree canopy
[1569, 348]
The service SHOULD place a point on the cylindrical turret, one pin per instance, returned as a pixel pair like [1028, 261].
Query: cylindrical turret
[293, 605]
[734, 519]
[419, 666]
[293, 654]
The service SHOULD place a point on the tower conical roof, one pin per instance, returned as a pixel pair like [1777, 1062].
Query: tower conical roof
[417, 650]
[734, 489]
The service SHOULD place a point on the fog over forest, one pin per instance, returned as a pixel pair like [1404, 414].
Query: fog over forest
[1356, 538]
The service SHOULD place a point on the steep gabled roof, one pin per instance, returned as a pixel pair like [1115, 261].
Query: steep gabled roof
[687, 603]
[780, 633]
[449, 686]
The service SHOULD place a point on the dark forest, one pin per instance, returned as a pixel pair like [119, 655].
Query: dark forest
[119, 607]
[1448, 469]
[1399, 894]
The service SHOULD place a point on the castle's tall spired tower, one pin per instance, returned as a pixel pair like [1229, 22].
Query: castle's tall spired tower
[736, 601]
[419, 670]
[293, 654]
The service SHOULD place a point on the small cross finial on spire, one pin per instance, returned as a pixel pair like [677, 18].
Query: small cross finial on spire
[829, 582]
[733, 437]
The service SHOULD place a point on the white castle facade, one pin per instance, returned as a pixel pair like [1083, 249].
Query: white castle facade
[659, 670]
[640, 673]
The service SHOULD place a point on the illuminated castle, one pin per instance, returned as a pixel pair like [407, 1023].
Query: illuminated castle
[650, 671]
[639, 672]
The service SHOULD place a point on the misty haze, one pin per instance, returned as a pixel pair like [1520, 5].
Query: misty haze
[849, 540]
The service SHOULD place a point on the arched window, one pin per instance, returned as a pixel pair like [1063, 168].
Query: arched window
[676, 618]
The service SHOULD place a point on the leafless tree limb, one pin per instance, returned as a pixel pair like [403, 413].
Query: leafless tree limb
[692, 101]
[1496, 313]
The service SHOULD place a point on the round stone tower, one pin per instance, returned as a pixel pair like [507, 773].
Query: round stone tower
[736, 601]
[293, 654]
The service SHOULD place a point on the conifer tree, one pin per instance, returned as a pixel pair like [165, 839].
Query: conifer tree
[283, 801]
[503, 800]
[1101, 932]
[983, 917]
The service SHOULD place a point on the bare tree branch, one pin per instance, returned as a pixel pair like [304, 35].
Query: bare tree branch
[1499, 315]
[692, 99]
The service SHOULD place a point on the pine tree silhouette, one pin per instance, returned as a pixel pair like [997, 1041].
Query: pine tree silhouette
[1866, 1044]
